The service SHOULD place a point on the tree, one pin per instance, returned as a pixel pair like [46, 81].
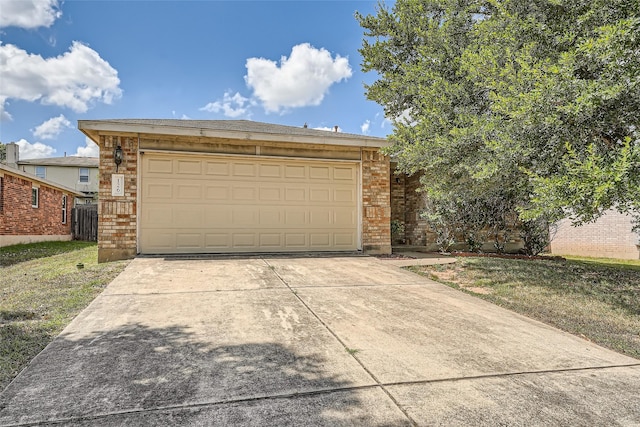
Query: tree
[3, 152]
[540, 99]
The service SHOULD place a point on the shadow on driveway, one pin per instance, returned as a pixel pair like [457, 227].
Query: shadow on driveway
[141, 375]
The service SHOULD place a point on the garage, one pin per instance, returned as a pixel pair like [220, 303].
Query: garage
[205, 204]
[172, 186]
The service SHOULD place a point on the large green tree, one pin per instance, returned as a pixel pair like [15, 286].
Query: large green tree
[540, 99]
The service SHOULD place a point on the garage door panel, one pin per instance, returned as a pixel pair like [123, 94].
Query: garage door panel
[270, 171]
[189, 240]
[244, 240]
[271, 240]
[206, 204]
[244, 169]
[216, 192]
[219, 168]
[160, 166]
[189, 167]
[271, 194]
[344, 240]
[189, 191]
[319, 172]
[295, 194]
[157, 216]
[216, 241]
[344, 173]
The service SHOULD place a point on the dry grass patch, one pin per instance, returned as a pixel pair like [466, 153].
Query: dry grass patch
[41, 291]
[599, 301]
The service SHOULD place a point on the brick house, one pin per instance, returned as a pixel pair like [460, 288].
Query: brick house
[610, 236]
[237, 186]
[33, 209]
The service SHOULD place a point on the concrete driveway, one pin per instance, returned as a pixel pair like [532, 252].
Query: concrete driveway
[312, 341]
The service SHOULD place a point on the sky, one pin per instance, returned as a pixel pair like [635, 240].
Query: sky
[283, 62]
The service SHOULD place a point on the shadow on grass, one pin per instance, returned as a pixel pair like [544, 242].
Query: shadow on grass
[136, 375]
[27, 339]
[15, 254]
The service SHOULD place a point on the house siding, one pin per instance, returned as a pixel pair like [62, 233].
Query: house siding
[19, 220]
[608, 237]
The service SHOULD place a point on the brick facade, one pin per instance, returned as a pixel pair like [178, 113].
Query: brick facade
[18, 218]
[407, 203]
[117, 215]
[376, 202]
[609, 237]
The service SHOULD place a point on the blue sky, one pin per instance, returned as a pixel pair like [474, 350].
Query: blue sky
[285, 62]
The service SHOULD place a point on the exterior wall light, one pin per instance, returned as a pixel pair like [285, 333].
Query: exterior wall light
[117, 156]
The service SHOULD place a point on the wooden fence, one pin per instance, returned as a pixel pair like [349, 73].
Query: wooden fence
[84, 222]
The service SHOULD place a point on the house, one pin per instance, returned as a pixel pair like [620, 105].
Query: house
[407, 206]
[610, 236]
[229, 186]
[79, 173]
[33, 209]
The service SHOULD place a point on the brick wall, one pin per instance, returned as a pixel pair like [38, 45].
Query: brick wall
[376, 203]
[609, 237]
[19, 218]
[397, 203]
[117, 215]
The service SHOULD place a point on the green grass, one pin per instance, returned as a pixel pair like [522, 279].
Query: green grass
[41, 291]
[598, 300]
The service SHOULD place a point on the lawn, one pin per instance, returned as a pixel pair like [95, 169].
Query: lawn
[598, 300]
[41, 291]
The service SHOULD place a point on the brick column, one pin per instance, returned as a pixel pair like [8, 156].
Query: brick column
[117, 215]
[376, 203]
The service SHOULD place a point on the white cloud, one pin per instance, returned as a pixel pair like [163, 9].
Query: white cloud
[89, 150]
[365, 127]
[37, 150]
[29, 14]
[231, 105]
[74, 79]
[4, 115]
[333, 129]
[302, 79]
[52, 127]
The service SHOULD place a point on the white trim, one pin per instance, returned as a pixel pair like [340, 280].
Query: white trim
[248, 157]
[86, 126]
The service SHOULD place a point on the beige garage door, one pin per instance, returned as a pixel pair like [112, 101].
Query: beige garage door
[213, 204]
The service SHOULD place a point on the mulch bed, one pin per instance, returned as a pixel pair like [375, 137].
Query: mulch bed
[393, 256]
[508, 256]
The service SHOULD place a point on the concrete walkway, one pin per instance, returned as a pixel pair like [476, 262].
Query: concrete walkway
[312, 341]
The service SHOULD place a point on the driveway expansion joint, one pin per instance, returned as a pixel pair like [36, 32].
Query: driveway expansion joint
[323, 323]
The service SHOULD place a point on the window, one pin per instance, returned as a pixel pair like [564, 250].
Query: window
[41, 172]
[1, 193]
[35, 193]
[84, 174]
[64, 208]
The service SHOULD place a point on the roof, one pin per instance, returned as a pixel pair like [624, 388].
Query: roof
[17, 172]
[70, 161]
[232, 129]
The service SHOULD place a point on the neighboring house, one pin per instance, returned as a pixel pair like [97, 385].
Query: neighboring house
[79, 173]
[223, 186]
[608, 237]
[33, 209]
